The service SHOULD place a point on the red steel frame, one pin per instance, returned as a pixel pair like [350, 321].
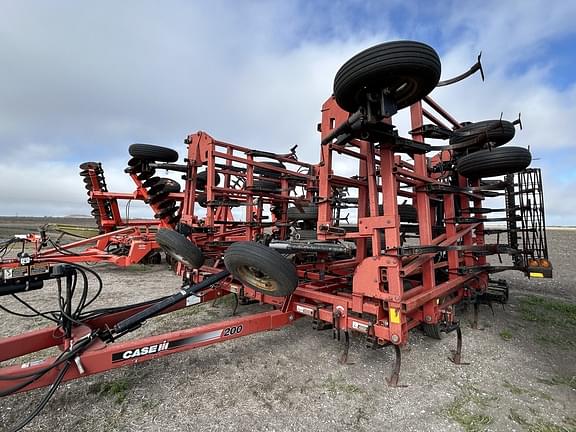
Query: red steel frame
[377, 302]
[137, 235]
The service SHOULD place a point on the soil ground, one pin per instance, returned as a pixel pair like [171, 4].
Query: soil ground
[521, 376]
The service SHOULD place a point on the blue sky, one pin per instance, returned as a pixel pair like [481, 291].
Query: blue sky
[82, 81]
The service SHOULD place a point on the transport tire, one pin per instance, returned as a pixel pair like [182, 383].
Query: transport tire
[409, 69]
[174, 219]
[183, 228]
[151, 181]
[156, 198]
[153, 257]
[432, 330]
[261, 268]
[180, 248]
[495, 131]
[309, 212]
[202, 180]
[407, 213]
[165, 185]
[165, 212]
[495, 162]
[145, 175]
[166, 204]
[266, 186]
[133, 162]
[269, 173]
[151, 152]
[202, 200]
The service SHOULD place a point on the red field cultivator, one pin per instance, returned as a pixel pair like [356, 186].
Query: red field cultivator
[395, 243]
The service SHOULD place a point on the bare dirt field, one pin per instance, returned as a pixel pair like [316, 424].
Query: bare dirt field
[521, 376]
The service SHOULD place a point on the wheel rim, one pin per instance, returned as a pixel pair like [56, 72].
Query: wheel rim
[400, 89]
[253, 277]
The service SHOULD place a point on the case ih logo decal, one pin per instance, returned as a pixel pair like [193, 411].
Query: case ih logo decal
[138, 352]
[170, 345]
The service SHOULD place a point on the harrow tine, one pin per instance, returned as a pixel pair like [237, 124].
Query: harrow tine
[395, 376]
[457, 354]
[474, 324]
[344, 357]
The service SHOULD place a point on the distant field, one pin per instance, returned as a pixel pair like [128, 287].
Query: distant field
[10, 226]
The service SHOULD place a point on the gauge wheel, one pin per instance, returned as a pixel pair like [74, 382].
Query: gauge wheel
[261, 268]
[494, 162]
[406, 70]
[151, 152]
[498, 132]
[180, 248]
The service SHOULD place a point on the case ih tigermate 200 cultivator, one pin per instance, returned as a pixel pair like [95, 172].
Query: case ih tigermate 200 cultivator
[416, 250]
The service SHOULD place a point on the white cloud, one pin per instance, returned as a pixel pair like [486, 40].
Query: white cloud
[83, 82]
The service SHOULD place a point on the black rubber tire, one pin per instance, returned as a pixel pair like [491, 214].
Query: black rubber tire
[145, 175]
[166, 204]
[266, 186]
[407, 213]
[133, 162]
[261, 268]
[165, 185]
[495, 131]
[152, 257]
[309, 212]
[180, 248]
[202, 179]
[495, 162]
[410, 68]
[202, 200]
[174, 219]
[156, 198]
[166, 212]
[151, 181]
[151, 152]
[183, 228]
[269, 173]
[432, 330]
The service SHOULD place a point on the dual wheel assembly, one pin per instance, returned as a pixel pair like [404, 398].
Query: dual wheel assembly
[254, 264]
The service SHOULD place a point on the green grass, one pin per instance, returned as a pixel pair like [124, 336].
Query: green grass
[569, 381]
[337, 385]
[187, 311]
[150, 405]
[117, 389]
[548, 311]
[464, 409]
[548, 427]
[554, 321]
[225, 301]
[506, 334]
[514, 389]
[542, 425]
[517, 418]
[556, 340]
